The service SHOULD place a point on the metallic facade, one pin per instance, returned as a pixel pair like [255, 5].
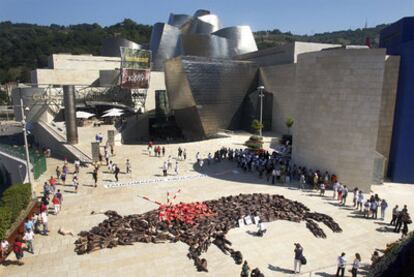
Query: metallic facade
[111, 46]
[163, 44]
[177, 20]
[205, 24]
[241, 39]
[199, 35]
[206, 94]
[205, 46]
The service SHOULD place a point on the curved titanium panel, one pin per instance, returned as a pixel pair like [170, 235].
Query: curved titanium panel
[241, 38]
[205, 24]
[205, 93]
[110, 47]
[204, 46]
[177, 20]
[201, 12]
[163, 44]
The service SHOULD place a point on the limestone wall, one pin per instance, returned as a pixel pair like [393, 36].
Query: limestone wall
[83, 62]
[307, 47]
[338, 103]
[280, 81]
[283, 54]
[157, 82]
[389, 93]
[64, 76]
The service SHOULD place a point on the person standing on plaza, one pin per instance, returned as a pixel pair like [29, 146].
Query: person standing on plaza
[360, 200]
[245, 270]
[44, 220]
[77, 166]
[344, 195]
[111, 147]
[340, 192]
[116, 172]
[75, 184]
[335, 189]
[128, 166]
[95, 177]
[395, 213]
[163, 151]
[341, 265]
[46, 189]
[60, 197]
[165, 168]
[56, 204]
[28, 238]
[367, 208]
[198, 157]
[185, 154]
[384, 206]
[106, 155]
[209, 158]
[169, 162]
[355, 265]
[298, 258]
[374, 208]
[302, 181]
[18, 250]
[4, 248]
[28, 224]
[273, 176]
[322, 188]
[355, 197]
[180, 153]
[176, 167]
[58, 172]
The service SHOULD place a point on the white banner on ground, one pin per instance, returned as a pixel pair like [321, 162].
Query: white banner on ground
[151, 181]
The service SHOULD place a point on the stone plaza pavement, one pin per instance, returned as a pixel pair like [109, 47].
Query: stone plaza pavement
[273, 254]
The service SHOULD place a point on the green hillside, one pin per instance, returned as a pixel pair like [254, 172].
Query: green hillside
[266, 39]
[24, 47]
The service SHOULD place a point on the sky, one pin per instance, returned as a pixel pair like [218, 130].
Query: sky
[297, 16]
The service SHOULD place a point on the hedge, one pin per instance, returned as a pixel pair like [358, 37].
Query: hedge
[13, 201]
[5, 221]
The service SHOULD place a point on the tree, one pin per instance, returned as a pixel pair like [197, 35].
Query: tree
[256, 126]
[289, 123]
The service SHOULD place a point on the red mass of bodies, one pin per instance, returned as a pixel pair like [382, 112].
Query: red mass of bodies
[185, 212]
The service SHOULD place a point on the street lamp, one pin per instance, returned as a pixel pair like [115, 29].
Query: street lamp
[261, 95]
[26, 145]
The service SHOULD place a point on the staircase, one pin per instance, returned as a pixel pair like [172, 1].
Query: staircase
[54, 138]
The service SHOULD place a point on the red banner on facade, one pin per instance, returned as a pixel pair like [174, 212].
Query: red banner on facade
[135, 78]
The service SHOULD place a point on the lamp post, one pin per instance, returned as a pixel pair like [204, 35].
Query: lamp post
[26, 145]
[261, 95]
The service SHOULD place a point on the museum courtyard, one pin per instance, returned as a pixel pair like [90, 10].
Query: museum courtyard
[273, 254]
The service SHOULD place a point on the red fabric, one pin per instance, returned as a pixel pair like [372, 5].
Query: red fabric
[52, 181]
[43, 208]
[56, 201]
[17, 247]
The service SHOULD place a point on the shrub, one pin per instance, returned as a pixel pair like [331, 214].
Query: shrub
[254, 142]
[256, 125]
[13, 201]
[5, 221]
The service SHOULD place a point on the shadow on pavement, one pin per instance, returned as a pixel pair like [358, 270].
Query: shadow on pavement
[279, 269]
